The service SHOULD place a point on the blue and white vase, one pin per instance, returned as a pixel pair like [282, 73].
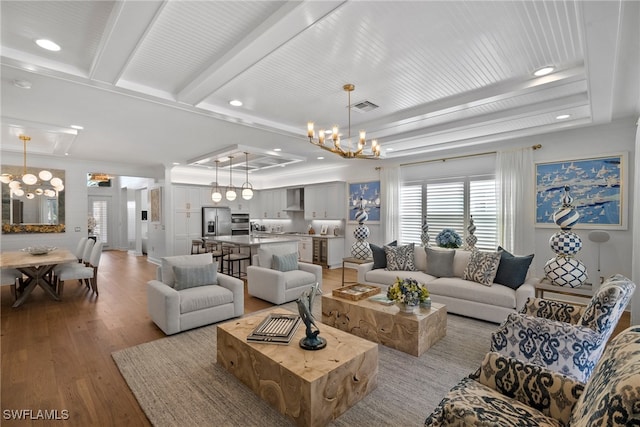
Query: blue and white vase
[564, 269]
[360, 248]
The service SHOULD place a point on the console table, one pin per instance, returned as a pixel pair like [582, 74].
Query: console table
[585, 291]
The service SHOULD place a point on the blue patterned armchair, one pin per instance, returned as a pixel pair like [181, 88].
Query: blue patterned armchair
[508, 392]
[562, 337]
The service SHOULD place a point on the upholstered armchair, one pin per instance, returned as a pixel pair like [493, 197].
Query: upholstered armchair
[509, 392]
[277, 276]
[189, 292]
[563, 337]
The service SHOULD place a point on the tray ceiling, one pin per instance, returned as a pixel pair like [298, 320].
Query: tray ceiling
[159, 75]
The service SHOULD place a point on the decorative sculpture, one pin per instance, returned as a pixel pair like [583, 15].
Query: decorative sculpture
[471, 240]
[424, 236]
[360, 248]
[564, 269]
[305, 305]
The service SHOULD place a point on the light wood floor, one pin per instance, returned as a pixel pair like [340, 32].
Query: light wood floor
[57, 355]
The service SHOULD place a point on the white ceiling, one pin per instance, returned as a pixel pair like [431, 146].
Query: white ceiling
[154, 78]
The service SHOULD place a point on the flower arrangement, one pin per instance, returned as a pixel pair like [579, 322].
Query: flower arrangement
[407, 291]
[91, 223]
[448, 238]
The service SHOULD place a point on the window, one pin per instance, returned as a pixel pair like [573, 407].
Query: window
[449, 204]
[100, 213]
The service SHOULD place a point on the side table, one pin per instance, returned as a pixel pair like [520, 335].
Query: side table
[585, 291]
[351, 260]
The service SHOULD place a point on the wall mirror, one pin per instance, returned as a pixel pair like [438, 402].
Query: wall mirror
[39, 214]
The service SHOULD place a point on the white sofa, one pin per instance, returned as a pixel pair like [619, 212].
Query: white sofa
[179, 310]
[492, 303]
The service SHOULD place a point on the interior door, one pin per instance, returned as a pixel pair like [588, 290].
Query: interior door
[100, 207]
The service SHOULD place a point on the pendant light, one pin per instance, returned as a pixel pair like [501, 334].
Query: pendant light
[247, 188]
[216, 196]
[231, 190]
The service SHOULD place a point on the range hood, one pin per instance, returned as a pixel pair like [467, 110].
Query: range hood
[295, 199]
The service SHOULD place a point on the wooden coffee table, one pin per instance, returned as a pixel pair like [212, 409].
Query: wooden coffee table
[411, 333]
[310, 387]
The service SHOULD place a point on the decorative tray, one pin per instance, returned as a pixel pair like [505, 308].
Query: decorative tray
[356, 292]
[39, 250]
[275, 329]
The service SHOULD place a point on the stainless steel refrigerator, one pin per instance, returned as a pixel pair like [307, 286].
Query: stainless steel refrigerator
[216, 221]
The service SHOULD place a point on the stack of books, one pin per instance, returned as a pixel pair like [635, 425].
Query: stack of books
[275, 329]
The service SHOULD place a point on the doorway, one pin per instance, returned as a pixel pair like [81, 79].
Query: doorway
[100, 208]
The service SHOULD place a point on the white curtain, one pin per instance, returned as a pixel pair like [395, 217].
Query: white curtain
[515, 193]
[390, 214]
[635, 264]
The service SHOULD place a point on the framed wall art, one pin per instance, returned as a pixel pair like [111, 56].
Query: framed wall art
[155, 202]
[597, 186]
[370, 193]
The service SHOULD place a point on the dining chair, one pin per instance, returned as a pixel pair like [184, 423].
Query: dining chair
[79, 252]
[84, 274]
[11, 277]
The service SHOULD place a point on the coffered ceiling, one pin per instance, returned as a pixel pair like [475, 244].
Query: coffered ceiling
[155, 77]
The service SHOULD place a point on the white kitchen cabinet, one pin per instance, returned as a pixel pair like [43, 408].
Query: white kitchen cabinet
[187, 217]
[273, 203]
[305, 249]
[325, 201]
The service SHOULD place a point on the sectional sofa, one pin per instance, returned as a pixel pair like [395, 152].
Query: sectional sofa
[451, 281]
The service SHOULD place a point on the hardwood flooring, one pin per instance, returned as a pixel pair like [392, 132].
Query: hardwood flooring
[56, 356]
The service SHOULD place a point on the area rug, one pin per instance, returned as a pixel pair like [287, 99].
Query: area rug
[177, 381]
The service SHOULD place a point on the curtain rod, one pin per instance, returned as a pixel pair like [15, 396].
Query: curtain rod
[444, 159]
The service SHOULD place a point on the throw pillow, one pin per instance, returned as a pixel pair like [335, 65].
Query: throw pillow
[400, 258]
[265, 255]
[379, 256]
[193, 276]
[286, 262]
[512, 270]
[440, 262]
[482, 267]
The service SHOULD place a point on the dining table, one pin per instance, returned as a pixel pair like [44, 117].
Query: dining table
[37, 268]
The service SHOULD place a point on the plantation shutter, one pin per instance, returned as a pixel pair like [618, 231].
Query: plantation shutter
[482, 206]
[410, 213]
[99, 212]
[445, 207]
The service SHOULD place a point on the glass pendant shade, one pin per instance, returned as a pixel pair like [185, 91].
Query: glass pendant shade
[231, 194]
[247, 193]
[29, 179]
[231, 190]
[216, 196]
[56, 182]
[247, 188]
[45, 175]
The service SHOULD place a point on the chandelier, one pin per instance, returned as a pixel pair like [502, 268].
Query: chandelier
[28, 184]
[337, 148]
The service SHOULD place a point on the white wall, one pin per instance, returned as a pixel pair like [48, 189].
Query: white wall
[76, 195]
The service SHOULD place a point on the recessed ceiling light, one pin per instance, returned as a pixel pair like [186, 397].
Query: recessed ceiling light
[77, 127]
[176, 163]
[563, 116]
[320, 158]
[543, 71]
[48, 44]
[389, 149]
[277, 149]
[236, 103]
[22, 84]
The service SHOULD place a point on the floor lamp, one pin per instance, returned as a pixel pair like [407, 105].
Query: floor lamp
[599, 236]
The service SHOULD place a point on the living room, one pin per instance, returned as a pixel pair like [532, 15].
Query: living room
[140, 127]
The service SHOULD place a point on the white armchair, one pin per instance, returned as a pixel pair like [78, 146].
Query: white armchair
[267, 282]
[209, 297]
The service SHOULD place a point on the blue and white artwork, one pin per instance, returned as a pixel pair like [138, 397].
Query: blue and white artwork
[595, 186]
[370, 193]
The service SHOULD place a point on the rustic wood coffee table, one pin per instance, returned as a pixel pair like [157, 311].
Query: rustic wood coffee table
[411, 333]
[310, 387]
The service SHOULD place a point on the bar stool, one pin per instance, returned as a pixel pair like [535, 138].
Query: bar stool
[233, 254]
[196, 244]
[216, 252]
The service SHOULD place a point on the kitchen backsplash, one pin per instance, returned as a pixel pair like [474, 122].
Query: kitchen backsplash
[297, 224]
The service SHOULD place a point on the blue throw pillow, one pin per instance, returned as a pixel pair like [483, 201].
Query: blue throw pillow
[286, 262]
[512, 270]
[379, 256]
[192, 276]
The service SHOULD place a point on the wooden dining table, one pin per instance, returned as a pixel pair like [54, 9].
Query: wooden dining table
[37, 269]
